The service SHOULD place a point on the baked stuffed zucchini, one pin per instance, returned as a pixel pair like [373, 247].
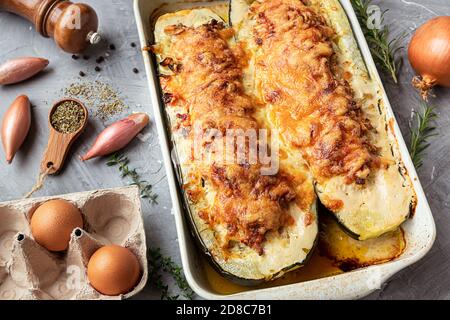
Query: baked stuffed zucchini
[254, 227]
[305, 67]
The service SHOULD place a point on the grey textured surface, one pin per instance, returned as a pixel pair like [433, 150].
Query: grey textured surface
[427, 279]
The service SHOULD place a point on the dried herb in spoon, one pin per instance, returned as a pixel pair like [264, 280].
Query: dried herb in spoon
[68, 117]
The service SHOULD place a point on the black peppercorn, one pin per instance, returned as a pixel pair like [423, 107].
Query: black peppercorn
[112, 46]
[100, 59]
[133, 45]
[82, 74]
[75, 57]
[98, 69]
[85, 57]
[135, 70]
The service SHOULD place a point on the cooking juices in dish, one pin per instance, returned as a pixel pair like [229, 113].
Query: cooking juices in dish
[317, 267]
[291, 67]
[336, 253]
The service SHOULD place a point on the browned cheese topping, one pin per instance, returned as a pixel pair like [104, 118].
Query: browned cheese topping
[207, 81]
[314, 106]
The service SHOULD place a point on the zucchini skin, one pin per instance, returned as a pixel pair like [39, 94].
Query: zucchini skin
[227, 275]
[206, 253]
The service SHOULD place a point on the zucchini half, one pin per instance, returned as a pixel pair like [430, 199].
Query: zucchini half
[349, 254]
[387, 197]
[285, 249]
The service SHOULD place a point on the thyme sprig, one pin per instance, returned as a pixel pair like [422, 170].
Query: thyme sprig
[421, 131]
[120, 160]
[160, 264]
[384, 51]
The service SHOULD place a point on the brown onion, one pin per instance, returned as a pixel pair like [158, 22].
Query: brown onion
[117, 135]
[429, 54]
[15, 126]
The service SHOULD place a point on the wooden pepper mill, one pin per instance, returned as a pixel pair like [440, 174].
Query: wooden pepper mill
[73, 26]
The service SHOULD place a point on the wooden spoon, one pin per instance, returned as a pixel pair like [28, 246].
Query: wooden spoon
[59, 143]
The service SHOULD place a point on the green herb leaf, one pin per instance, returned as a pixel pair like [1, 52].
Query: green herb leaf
[421, 131]
[122, 162]
[158, 264]
[384, 51]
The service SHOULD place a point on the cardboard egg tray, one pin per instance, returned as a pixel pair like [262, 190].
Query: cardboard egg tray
[30, 272]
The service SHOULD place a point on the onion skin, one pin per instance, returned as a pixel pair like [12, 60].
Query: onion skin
[429, 54]
[20, 69]
[15, 126]
[117, 135]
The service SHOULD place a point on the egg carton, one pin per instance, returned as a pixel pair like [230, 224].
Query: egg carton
[30, 272]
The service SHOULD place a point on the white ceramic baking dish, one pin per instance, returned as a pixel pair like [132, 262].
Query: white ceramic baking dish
[420, 231]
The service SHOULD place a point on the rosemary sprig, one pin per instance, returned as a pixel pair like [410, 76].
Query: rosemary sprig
[384, 51]
[421, 132]
[159, 264]
[145, 188]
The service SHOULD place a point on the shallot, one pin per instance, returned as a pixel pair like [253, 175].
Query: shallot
[117, 135]
[15, 126]
[21, 69]
[429, 54]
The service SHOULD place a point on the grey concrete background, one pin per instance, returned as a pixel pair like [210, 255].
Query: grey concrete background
[427, 279]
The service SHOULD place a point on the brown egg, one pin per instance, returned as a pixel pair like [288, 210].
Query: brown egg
[113, 270]
[53, 222]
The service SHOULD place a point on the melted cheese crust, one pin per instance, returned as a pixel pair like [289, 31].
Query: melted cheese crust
[314, 106]
[207, 83]
[307, 71]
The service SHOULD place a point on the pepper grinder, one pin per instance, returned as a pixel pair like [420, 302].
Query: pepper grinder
[73, 26]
